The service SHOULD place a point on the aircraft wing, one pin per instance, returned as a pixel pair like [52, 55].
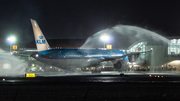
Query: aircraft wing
[118, 57]
[24, 55]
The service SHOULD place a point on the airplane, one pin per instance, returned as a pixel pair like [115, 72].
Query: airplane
[77, 58]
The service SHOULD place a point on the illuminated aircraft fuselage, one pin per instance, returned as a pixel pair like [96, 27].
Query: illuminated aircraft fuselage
[79, 58]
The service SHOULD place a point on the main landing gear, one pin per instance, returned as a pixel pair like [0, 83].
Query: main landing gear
[69, 71]
[96, 71]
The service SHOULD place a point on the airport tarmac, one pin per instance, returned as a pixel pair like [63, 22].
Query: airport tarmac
[49, 74]
[104, 76]
[46, 74]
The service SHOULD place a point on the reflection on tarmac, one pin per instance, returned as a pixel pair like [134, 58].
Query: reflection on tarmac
[45, 74]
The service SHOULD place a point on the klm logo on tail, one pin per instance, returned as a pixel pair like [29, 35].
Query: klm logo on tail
[40, 37]
[40, 41]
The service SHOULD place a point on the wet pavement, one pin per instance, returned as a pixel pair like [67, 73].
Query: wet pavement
[78, 73]
[45, 74]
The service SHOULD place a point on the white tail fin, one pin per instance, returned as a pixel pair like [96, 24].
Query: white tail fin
[40, 40]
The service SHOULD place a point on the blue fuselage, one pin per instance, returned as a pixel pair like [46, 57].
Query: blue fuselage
[80, 57]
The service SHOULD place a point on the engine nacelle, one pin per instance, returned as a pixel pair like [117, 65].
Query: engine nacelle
[103, 63]
[121, 65]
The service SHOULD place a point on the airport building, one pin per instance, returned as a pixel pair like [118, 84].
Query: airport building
[165, 55]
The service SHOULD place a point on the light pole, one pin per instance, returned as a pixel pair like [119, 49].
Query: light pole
[104, 38]
[11, 40]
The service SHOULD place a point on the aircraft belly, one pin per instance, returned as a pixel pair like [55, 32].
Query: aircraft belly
[78, 63]
[72, 62]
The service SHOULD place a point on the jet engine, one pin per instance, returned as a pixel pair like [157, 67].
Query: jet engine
[121, 65]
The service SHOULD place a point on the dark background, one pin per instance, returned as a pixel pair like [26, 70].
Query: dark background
[79, 19]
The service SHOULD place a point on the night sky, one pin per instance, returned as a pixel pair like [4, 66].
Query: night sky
[79, 19]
